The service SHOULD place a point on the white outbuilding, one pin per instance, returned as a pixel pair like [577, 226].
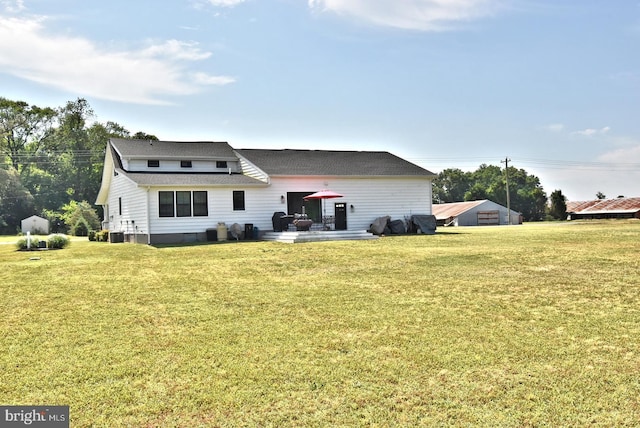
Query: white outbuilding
[35, 225]
[474, 213]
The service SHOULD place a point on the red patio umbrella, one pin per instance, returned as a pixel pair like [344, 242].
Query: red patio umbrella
[323, 194]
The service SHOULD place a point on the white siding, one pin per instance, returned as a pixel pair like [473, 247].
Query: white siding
[252, 171]
[220, 205]
[174, 166]
[134, 203]
[370, 197]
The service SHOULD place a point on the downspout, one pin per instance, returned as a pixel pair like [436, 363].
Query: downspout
[148, 219]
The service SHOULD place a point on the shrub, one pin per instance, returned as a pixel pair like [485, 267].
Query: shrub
[58, 241]
[102, 236]
[22, 242]
[91, 235]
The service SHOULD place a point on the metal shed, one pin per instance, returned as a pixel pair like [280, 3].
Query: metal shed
[474, 213]
[35, 225]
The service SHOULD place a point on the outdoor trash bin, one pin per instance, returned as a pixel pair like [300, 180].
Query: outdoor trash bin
[212, 235]
[248, 231]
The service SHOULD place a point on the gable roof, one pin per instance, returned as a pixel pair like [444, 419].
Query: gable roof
[604, 206]
[271, 162]
[190, 179]
[149, 149]
[453, 209]
[290, 162]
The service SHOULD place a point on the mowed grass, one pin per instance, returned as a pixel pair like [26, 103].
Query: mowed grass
[532, 325]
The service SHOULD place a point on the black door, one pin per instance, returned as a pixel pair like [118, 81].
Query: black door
[341, 216]
[297, 205]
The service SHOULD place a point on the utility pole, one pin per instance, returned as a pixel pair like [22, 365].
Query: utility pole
[506, 174]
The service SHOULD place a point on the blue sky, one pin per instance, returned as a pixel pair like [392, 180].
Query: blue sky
[552, 85]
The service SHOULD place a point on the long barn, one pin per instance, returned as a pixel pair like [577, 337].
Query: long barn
[604, 208]
[474, 213]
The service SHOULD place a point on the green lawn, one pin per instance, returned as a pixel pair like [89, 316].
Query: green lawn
[533, 325]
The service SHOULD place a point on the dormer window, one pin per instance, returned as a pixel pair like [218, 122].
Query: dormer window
[185, 164]
[153, 163]
[221, 164]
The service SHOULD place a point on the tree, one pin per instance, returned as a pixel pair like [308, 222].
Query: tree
[558, 207]
[144, 136]
[80, 218]
[529, 197]
[54, 157]
[23, 129]
[489, 182]
[450, 185]
[16, 203]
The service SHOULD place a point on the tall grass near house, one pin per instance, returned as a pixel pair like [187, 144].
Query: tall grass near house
[498, 326]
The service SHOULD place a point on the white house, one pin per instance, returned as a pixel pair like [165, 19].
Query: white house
[35, 225]
[474, 213]
[161, 191]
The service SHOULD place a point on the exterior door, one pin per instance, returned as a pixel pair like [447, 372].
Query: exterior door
[341, 215]
[296, 205]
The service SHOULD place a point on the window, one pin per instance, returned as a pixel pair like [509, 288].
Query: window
[153, 163]
[221, 164]
[200, 206]
[166, 204]
[185, 164]
[119, 206]
[183, 204]
[238, 200]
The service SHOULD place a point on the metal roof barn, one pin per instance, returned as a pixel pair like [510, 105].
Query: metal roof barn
[604, 208]
[474, 213]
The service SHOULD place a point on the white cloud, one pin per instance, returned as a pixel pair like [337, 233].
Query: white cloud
[423, 15]
[206, 79]
[590, 132]
[623, 156]
[225, 3]
[175, 49]
[216, 3]
[77, 65]
[555, 127]
[12, 6]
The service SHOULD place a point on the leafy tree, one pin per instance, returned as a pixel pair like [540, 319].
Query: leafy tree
[489, 182]
[71, 152]
[450, 185]
[80, 218]
[23, 129]
[476, 193]
[558, 207]
[55, 156]
[144, 136]
[76, 153]
[16, 203]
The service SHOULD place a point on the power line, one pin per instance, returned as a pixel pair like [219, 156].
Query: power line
[537, 163]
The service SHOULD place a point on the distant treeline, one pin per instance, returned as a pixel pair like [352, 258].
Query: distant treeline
[50, 160]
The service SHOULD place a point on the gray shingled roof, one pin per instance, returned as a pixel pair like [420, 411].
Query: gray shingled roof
[328, 163]
[146, 149]
[190, 179]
